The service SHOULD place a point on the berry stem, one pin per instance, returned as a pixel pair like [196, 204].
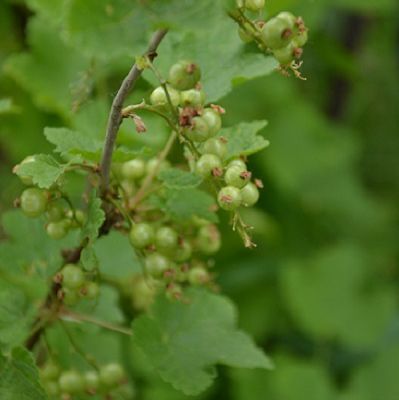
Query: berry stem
[115, 115]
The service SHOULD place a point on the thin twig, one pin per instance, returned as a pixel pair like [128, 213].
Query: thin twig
[115, 117]
[68, 315]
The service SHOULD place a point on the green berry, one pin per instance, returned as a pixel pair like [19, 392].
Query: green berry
[70, 297]
[244, 36]
[142, 292]
[207, 163]
[50, 371]
[229, 198]
[92, 381]
[237, 162]
[158, 96]
[249, 194]
[216, 146]
[198, 276]
[213, 120]
[300, 39]
[71, 382]
[80, 217]
[192, 97]
[90, 290]
[54, 213]
[255, 5]
[237, 176]
[174, 291]
[72, 276]
[166, 238]
[34, 202]
[25, 179]
[285, 55]
[198, 131]
[133, 169]
[183, 251]
[156, 264]
[52, 388]
[152, 164]
[276, 33]
[111, 375]
[184, 75]
[56, 230]
[288, 18]
[208, 240]
[141, 235]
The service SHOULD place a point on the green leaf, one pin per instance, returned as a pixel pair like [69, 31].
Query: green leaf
[175, 178]
[183, 204]
[19, 378]
[71, 142]
[44, 170]
[185, 341]
[7, 106]
[223, 59]
[243, 139]
[47, 77]
[16, 315]
[95, 218]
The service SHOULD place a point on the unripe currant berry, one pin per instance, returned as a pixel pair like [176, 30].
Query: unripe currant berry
[192, 97]
[184, 75]
[198, 131]
[56, 230]
[142, 292]
[70, 297]
[166, 238]
[90, 290]
[183, 251]
[237, 162]
[301, 38]
[50, 371]
[158, 96]
[92, 381]
[276, 33]
[34, 202]
[111, 375]
[207, 163]
[141, 235]
[229, 198]
[80, 217]
[71, 382]
[244, 36]
[255, 5]
[216, 146]
[208, 240]
[156, 264]
[285, 55]
[174, 291]
[133, 169]
[54, 213]
[237, 176]
[72, 276]
[25, 179]
[198, 276]
[213, 120]
[52, 388]
[152, 164]
[288, 17]
[249, 194]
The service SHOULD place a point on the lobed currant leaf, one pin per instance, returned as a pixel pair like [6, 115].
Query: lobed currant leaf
[243, 139]
[175, 178]
[184, 342]
[19, 377]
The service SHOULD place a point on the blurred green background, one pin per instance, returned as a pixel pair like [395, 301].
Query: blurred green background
[320, 292]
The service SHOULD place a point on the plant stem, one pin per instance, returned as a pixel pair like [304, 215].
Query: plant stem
[115, 116]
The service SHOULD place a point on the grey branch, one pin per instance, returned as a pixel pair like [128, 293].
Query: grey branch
[115, 115]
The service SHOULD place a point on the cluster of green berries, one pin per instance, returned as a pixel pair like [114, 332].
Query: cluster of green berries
[75, 286]
[67, 384]
[35, 202]
[172, 260]
[284, 35]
